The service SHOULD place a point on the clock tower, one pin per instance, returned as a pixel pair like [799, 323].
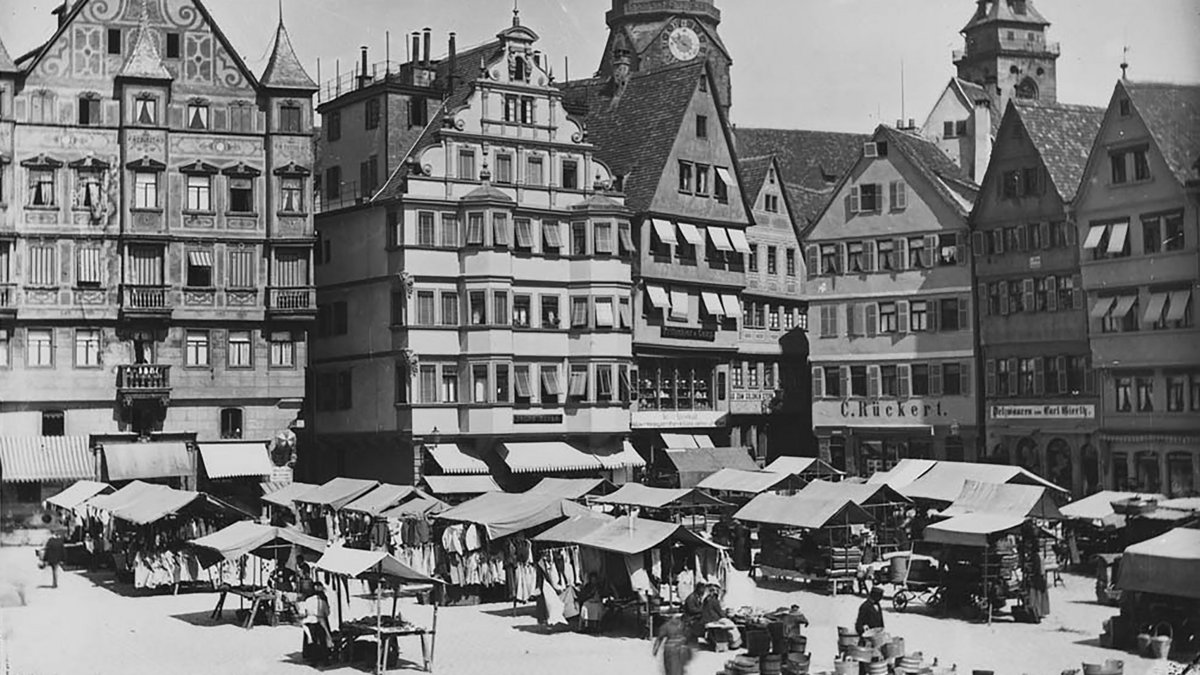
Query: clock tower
[1007, 53]
[645, 35]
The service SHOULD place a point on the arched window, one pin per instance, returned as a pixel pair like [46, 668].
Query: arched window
[1027, 89]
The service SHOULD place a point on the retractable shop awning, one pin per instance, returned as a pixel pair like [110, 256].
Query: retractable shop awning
[163, 459]
[45, 458]
[235, 460]
[461, 485]
[547, 457]
[453, 460]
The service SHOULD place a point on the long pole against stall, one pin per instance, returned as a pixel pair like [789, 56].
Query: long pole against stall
[380, 651]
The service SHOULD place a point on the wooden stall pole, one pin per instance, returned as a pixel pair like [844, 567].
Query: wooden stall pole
[380, 649]
[432, 640]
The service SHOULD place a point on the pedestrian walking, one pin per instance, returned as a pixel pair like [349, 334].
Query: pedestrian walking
[53, 555]
[870, 613]
[672, 641]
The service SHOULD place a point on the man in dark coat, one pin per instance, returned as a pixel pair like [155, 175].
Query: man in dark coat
[870, 613]
[53, 556]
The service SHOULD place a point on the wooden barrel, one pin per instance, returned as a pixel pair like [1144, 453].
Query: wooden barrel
[846, 667]
[875, 668]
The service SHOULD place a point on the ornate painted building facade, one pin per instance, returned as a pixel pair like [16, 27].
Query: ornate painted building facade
[155, 230]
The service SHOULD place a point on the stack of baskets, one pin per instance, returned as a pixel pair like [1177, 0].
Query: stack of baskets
[841, 562]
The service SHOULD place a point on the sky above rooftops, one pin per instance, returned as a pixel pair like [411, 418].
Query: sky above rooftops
[816, 64]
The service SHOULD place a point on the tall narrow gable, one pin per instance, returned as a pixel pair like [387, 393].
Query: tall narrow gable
[6, 62]
[284, 70]
[97, 38]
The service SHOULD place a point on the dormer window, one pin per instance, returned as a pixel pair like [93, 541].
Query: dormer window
[1125, 107]
[145, 111]
[518, 69]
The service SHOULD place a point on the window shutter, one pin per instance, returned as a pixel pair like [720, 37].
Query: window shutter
[1060, 362]
[998, 241]
[872, 381]
[872, 319]
[1039, 376]
[833, 320]
[1077, 292]
[1044, 231]
[818, 382]
[1012, 377]
[1072, 235]
[1027, 294]
[869, 256]
[1052, 293]
[932, 315]
[960, 251]
[902, 316]
[853, 201]
[852, 327]
[879, 198]
[983, 299]
[1003, 299]
[176, 115]
[843, 258]
[1089, 377]
[820, 324]
[1022, 239]
[900, 247]
[931, 250]
[964, 378]
[935, 379]
[964, 313]
[844, 374]
[990, 382]
[812, 261]
[979, 247]
[220, 115]
[903, 381]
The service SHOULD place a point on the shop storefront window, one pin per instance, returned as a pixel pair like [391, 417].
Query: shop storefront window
[1180, 472]
[1120, 471]
[676, 385]
[1148, 476]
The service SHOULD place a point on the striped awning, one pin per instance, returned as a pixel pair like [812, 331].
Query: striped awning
[547, 457]
[235, 460]
[625, 458]
[200, 258]
[30, 459]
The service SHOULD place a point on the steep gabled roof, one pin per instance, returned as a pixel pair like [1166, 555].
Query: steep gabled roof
[811, 159]
[284, 70]
[1172, 114]
[754, 173]
[1005, 10]
[634, 130]
[6, 62]
[1063, 134]
[807, 204]
[145, 61]
[947, 177]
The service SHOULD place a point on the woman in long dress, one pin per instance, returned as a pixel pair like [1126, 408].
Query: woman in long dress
[672, 641]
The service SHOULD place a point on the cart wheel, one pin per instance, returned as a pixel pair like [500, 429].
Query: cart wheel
[935, 599]
[900, 600]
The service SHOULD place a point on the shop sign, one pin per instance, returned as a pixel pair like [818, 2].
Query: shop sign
[676, 419]
[1042, 412]
[683, 333]
[892, 410]
[537, 419]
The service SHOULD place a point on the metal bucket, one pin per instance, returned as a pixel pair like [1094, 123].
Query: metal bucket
[846, 667]
[1160, 647]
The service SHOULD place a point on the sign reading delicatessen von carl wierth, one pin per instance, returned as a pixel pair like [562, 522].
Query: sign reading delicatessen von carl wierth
[1054, 411]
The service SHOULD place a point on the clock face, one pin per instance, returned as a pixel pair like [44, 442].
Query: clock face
[684, 43]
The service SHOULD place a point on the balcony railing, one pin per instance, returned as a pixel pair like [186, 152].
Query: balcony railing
[145, 298]
[301, 300]
[143, 377]
[1028, 46]
[349, 193]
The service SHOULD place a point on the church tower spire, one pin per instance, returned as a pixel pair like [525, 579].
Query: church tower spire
[1007, 53]
[284, 70]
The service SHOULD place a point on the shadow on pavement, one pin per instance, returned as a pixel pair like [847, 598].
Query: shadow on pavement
[520, 610]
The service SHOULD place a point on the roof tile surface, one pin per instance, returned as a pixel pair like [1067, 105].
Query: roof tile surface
[1172, 113]
[1063, 135]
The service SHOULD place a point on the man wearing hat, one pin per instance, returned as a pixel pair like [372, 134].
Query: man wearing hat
[870, 613]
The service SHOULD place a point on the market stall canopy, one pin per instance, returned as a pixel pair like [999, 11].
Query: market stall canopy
[289, 493]
[1026, 501]
[460, 485]
[803, 466]
[382, 498]
[547, 457]
[802, 512]
[154, 505]
[30, 459]
[971, 530]
[338, 492]
[235, 460]
[572, 529]
[863, 494]
[420, 506]
[352, 562]
[944, 481]
[244, 537]
[123, 497]
[502, 513]
[1166, 565]
[629, 535]
[78, 493]
[904, 473]
[1188, 504]
[696, 464]
[748, 482]
[455, 461]
[636, 494]
[162, 459]
[571, 488]
[1100, 505]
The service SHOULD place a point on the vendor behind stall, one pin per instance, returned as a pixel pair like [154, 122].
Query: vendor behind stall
[591, 598]
[870, 613]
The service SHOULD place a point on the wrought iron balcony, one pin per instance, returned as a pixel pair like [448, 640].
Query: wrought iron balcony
[295, 302]
[146, 300]
[144, 381]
